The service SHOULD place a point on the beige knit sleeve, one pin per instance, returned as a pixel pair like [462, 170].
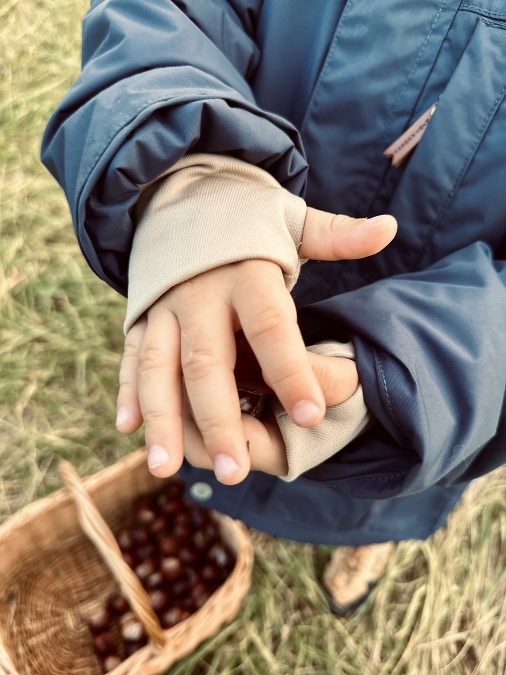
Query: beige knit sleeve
[306, 448]
[207, 211]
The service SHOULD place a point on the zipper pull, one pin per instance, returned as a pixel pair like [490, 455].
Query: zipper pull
[403, 146]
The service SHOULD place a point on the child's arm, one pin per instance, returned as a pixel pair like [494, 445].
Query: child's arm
[153, 87]
[246, 232]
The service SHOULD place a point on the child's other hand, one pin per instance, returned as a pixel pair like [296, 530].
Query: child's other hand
[189, 333]
[338, 380]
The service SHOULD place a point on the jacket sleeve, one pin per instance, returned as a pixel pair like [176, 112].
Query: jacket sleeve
[156, 82]
[431, 355]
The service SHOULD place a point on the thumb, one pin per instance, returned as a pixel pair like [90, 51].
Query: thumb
[328, 236]
[337, 377]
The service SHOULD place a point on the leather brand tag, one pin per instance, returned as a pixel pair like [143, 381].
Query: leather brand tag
[403, 146]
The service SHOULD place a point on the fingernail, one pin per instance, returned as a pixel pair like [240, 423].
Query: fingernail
[304, 413]
[121, 416]
[377, 220]
[224, 467]
[157, 456]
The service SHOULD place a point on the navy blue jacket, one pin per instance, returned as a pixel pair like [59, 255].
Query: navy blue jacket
[313, 92]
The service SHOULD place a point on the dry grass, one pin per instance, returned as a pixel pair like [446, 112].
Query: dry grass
[440, 609]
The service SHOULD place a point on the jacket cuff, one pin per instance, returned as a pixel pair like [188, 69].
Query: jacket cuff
[307, 448]
[205, 212]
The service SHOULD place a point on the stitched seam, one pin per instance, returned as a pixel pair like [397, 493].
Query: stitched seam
[313, 103]
[396, 104]
[459, 177]
[494, 24]
[388, 128]
[385, 388]
[481, 11]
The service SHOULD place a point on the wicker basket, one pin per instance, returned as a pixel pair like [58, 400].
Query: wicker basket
[52, 578]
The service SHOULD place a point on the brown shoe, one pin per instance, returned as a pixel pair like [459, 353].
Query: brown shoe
[351, 573]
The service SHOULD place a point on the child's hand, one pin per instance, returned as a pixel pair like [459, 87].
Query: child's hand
[338, 380]
[189, 333]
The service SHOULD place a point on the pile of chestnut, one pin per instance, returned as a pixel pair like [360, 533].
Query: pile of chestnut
[175, 549]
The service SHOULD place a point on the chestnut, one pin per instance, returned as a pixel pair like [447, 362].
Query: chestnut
[221, 556]
[99, 621]
[191, 576]
[158, 525]
[209, 573]
[132, 647]
[118, 605]
[111, 662]
[181, 517]
[198, 589]
[154, 580]
[199, 515]
[185, 614]
[211, 529]
[188, 556]
[129, 558]
[181, 532]
[171, 617]
[147, 551]
[131, 628]
[201, 541]
[104, 643]
[159, 600]
[180, 588]
[199, 594]
[167, 545]
[188, 605]
[145, 516]
[140, 536]
[125, 540]
[171, 568]
[144, 569]
[169, 506]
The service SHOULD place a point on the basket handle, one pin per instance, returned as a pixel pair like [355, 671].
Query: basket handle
[95, 527]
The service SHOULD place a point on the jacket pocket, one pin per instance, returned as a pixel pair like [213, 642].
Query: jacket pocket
[434, 173]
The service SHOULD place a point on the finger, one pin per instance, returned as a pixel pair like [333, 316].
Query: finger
[265, 444]
[338, 377]
[208, 358]
[128, 415]
[160, 392]
[328, 236]
[269, 321]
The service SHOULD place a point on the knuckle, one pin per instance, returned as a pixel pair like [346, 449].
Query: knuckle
[131, 348]
[290, 371]
[267, 321]
[324, 376]
[337, 223]
[126, 387]
[212, 428]
[128, 368]
[151, 358]
[198, 363]
[154, 416]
